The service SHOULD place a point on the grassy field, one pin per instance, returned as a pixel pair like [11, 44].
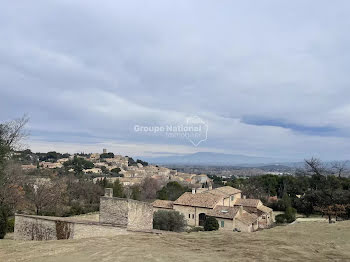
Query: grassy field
[303, 241]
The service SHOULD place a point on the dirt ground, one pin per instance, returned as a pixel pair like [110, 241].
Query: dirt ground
[302, 241]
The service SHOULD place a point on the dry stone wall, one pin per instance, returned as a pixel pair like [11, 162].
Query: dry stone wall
[36, 228]
[54, 228]
[135, 215]
[140, 216]
[114, 211]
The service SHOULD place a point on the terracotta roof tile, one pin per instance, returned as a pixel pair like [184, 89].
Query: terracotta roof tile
[265, 209]
[198, 200]
[224, 191]
[248, 202]
[248, 218]
[224, 212]
[163, 204]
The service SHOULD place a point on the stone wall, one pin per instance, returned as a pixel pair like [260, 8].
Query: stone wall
[228, 224]
[55, 228]
[91, 230]
[114, 211]
[140, 216]
[135, 215]
[191, 213]
[242, 226]
[36, 228]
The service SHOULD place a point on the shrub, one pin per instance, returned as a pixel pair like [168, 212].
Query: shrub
[290, 214]
[280, 219]
[169, 221]
[211, 224]
[11, 225]
[3, 222]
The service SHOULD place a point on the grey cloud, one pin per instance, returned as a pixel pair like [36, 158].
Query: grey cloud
[98, 68]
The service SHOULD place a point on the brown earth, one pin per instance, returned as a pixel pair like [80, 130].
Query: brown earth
[303, 241]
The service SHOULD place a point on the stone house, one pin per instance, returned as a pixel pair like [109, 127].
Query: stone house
[225, 204]
[255, 206]
[50, 165]
[162, 205]
[234, 218]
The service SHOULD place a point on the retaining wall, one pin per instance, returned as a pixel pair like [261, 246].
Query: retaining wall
[53, 228]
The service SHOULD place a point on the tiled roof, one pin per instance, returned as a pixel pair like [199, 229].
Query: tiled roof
[224, 191]
[163, 204]
[248, 202]
[248, 218]
[198, 200]
[224, 212]
[265, 209]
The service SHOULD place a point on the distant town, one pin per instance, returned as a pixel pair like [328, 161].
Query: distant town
[107, 165]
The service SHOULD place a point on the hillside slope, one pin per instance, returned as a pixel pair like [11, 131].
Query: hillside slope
[305, 241]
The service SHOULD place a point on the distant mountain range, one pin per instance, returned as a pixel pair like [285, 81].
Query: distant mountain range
[215, 159]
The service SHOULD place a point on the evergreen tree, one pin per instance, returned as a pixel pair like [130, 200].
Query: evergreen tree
[118, 190]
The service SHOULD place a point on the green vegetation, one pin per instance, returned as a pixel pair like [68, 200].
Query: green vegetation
[118, 190]
[280, 219]
[107, 155]
[172, 191]
[313, 190]
[169, 221]
[78, 164]
[116, 170]
[3, 221]
[144, 163]
[10, 225]
[211, 224]
[52, 156]
[131, 162]
[135, 192]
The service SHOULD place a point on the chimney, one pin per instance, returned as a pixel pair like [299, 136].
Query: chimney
[240, 210]
[108, 192]
[193, 191]
[244, 197]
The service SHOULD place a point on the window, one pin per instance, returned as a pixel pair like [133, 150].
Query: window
[192, 216]
[189, 215]
[222, 223]
[232, 197]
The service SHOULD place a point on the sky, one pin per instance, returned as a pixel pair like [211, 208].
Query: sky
[266, 78]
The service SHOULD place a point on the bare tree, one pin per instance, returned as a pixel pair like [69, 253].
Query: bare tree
[45, 196]
[149, 188]
[12, 132]
[340, 167]
[11, 191]
[11, 187]
[332, 210]
[314, 166]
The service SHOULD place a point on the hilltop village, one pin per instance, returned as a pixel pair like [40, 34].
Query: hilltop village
[226, 204]
[112, 167]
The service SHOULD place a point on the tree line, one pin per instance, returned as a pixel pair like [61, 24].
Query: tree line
[316, 188]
